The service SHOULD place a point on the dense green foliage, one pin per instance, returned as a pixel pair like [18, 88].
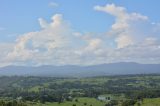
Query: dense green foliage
[125, 90]
[12, 103]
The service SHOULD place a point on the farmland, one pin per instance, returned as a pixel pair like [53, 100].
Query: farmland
[122, 90]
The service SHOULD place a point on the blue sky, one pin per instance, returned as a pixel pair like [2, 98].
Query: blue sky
[19, 17]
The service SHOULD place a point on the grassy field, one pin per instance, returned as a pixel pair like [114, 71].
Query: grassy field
[114, 96]
[34, 91]
[81, 102]
[150, 102]
[94, 102]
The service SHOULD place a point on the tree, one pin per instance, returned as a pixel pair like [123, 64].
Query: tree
[74, 105]
[76, 100]
[85, 104]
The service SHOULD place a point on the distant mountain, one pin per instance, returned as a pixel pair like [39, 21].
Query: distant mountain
[81, 71]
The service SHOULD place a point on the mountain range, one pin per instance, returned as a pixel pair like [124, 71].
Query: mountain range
[121, 68]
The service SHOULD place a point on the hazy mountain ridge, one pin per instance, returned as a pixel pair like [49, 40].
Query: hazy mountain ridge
[121, 68]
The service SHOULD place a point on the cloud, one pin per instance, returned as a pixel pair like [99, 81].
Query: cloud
[43, 23]
[5, 48]
[53, 4]
[133, 37]
[123, 41]
[94, 44]
[54, 35]
[12, 35]
[124, 24]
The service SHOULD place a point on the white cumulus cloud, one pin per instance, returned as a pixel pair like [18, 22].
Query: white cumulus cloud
[124, 24]
[53, 4]
[131, 38]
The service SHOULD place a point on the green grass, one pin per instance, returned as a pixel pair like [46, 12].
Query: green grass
[81, 101]
[115, 96]
[151, 102]
[35, 88]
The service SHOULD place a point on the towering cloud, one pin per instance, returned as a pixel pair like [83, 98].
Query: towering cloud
[53, 36]
[124, 25]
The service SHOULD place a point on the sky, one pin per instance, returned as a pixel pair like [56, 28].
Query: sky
[79, 32]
